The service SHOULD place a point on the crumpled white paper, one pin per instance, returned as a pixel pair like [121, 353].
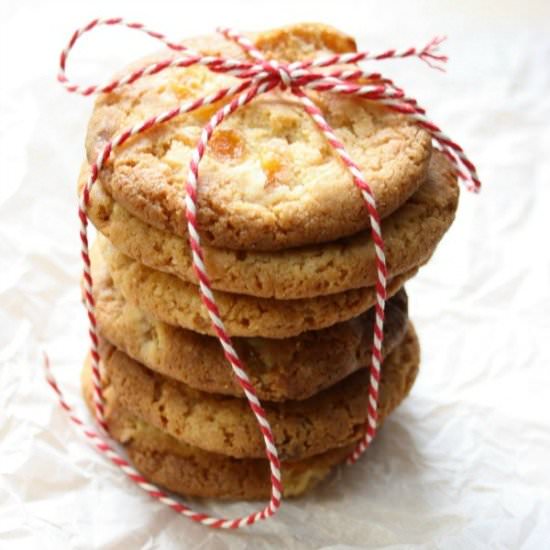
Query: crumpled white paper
[464, 463]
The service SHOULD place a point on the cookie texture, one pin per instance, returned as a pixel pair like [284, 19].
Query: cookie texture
[190, 471]
[410, 235]
[225, 425]
[269, 179]
[292, 368]
[167, 298]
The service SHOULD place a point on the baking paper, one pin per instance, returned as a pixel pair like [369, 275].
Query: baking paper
[465, 461]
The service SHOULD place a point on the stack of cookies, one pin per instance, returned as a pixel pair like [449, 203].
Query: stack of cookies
[290, 257]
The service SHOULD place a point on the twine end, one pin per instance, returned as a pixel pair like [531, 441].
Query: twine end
[430, 54]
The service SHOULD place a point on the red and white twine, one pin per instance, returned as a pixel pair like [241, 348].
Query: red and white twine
[255, 77]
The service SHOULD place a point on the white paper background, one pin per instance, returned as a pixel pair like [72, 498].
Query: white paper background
[465, 462]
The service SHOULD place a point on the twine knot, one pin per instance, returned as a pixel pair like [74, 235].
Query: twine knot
[280, 71]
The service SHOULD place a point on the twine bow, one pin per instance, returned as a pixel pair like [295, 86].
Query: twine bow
[255, 77]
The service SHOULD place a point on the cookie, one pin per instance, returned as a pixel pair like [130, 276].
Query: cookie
[410, 234]
[190, 471]
[269, 179]
[221, 424]
[167, 298]
[292, 368]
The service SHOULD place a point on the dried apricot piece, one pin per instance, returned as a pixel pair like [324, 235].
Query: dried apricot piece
[227, 144]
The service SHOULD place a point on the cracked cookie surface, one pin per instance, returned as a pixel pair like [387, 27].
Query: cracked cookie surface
[269, 179]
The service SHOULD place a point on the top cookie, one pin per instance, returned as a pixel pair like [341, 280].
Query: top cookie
[269, 179]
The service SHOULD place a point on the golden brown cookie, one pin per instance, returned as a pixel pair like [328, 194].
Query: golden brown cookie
[292, 368]
[167, 298]
[190, 471]
[410, 235]
[225, 425]
[269, 180]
